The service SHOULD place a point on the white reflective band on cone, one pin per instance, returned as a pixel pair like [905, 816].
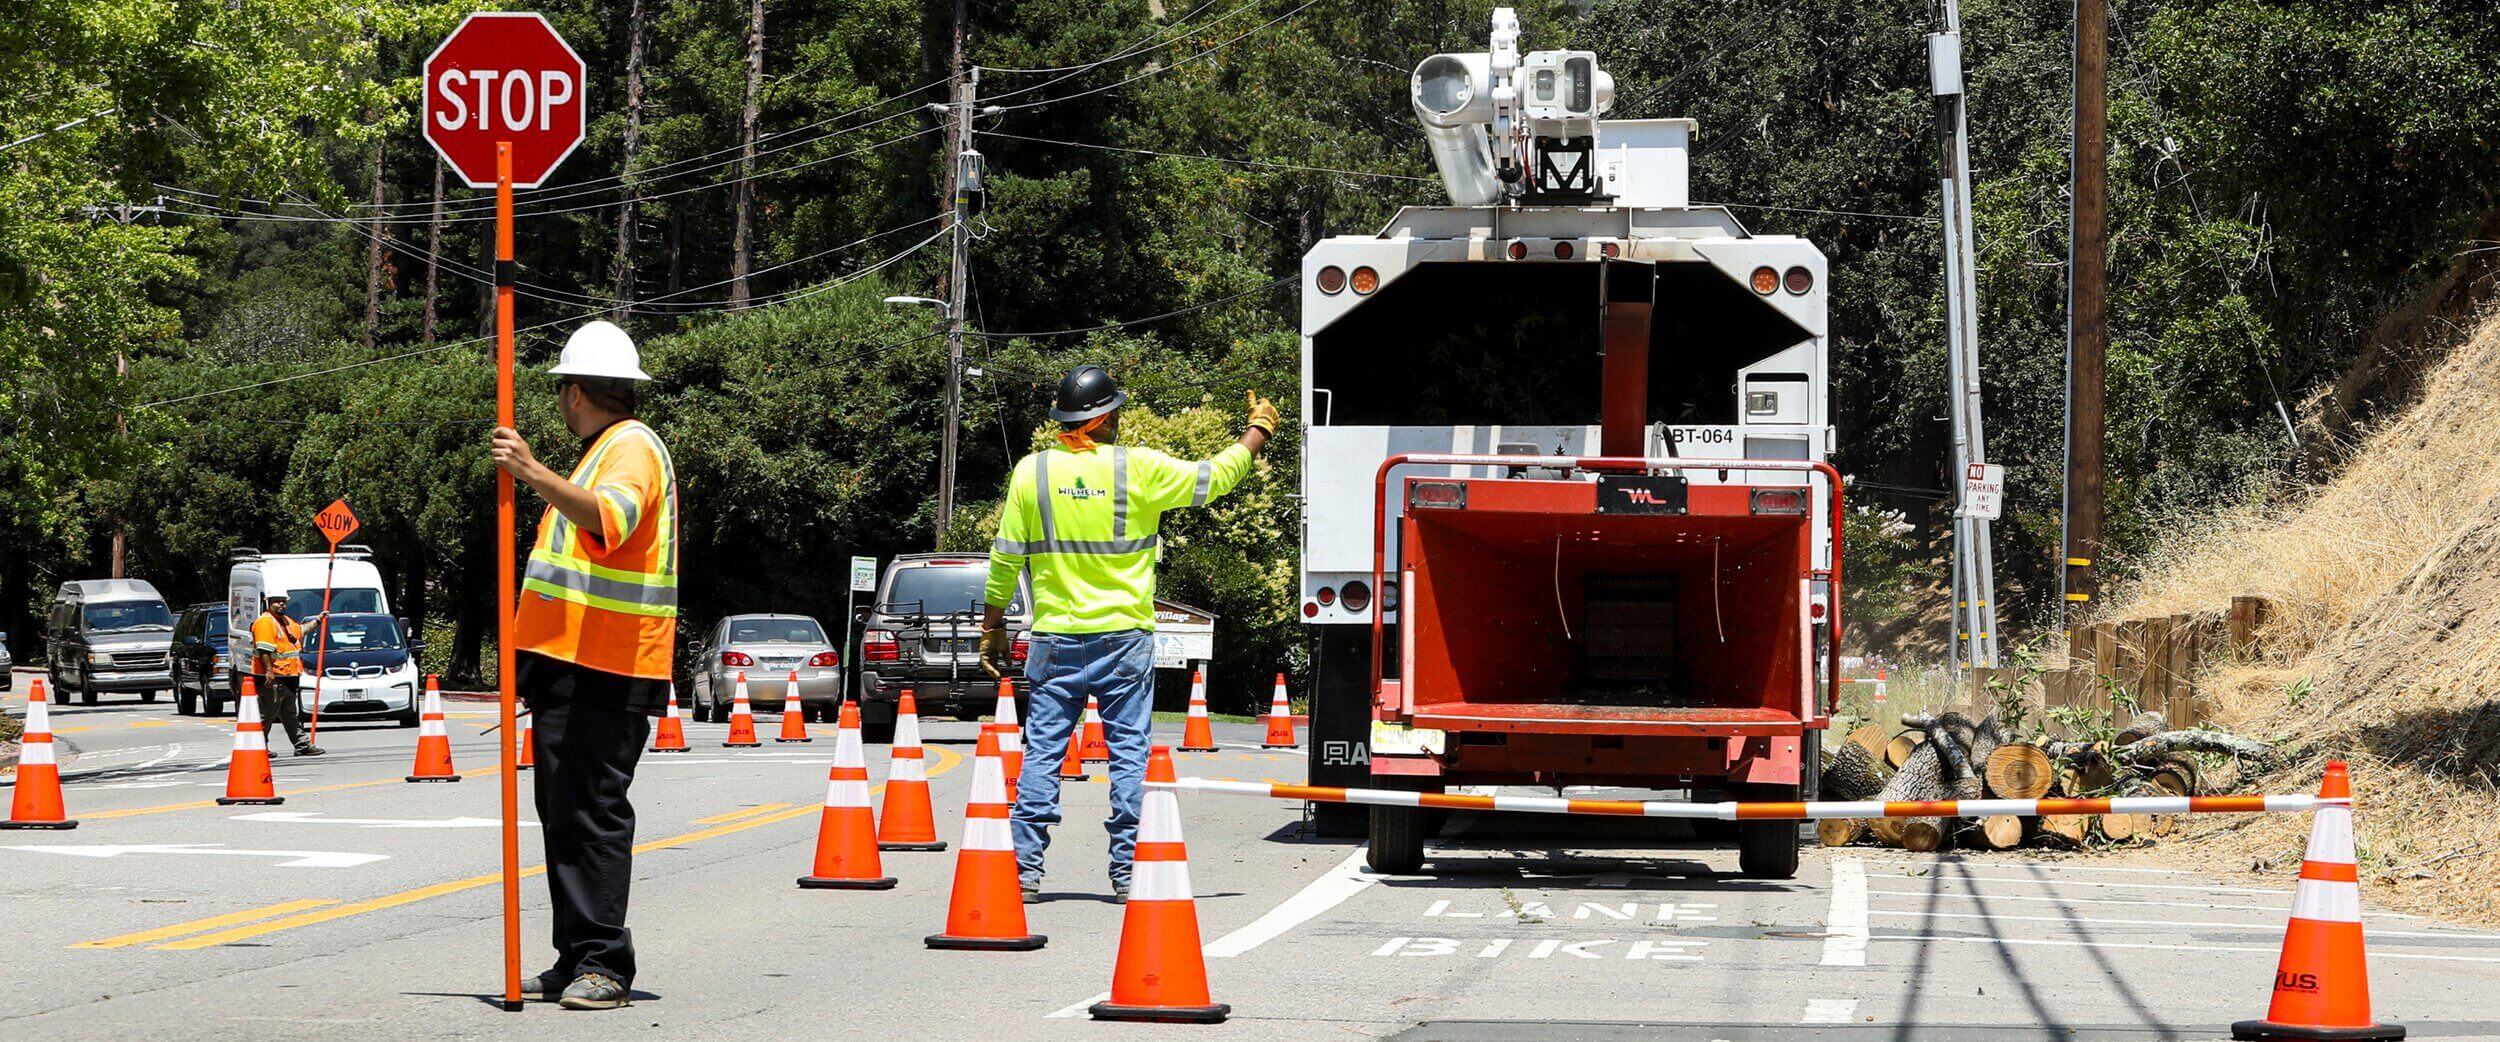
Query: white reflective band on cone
[846, 792]
[247, 711]
[987, 834]
[2323, 901]
[1160, 820]
[38, 716]
[2330, 836]
[431, 727]
[251, 741]
[905, 769]
[989, 785]
[1159, 881]
[34, 754]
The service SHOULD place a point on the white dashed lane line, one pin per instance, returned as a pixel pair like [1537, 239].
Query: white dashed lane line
[1844, 926]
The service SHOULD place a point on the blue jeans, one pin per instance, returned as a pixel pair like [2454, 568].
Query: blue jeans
[1118, 669]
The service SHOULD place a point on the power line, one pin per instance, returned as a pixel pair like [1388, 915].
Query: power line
[1161, 69]
[1271, 164]
[1107, 326]
[1152, 40]
[1828, 213]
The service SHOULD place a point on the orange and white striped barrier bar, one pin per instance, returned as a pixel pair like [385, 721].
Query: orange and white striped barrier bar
[1735, 811]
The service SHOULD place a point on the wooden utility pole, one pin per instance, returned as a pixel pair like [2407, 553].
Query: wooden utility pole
[967, 85]
[2087, 318]
[742, 248]
[121, 429]
[621, 290]
[433, 252]
[373, 253]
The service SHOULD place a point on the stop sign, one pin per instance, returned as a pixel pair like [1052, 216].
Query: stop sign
[504, 76]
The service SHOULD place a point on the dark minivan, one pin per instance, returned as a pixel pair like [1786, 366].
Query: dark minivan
[201, 680]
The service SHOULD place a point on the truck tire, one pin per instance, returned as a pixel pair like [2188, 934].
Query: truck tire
[876, 724]
[1397, 840]
[1767, 849]
[147, 696]
[184, 703]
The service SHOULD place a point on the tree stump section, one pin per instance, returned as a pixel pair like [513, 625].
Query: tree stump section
[2119, 828]
[1870, 738]
[2019, 772]
[1898, 752]
[2000, 831]
[1839, 832]
[2065, 829]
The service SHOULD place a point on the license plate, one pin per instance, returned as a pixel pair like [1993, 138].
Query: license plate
[1640, 494]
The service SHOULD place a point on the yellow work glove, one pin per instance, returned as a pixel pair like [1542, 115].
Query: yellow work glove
[995, 652]
[1262, 413]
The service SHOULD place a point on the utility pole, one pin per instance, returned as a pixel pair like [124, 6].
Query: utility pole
[961, 171]
[741, 248]
[1974, 566]
[2087, 318]
[121, 430]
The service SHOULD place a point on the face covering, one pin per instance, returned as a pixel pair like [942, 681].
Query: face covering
[1080, 440]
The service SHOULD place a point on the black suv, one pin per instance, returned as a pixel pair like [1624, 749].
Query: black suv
[924, 633]
[202, 679]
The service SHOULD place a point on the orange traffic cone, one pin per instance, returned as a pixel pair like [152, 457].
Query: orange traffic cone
[1198, 734]
[37, 804]
[986, 912]
[846, 837]
[1096, 749]
[433, 744]
[527, 758]
[2322, 984]
[1279, 720]
[1010, 736]
[1072, 762]
[794, 714]
[1161, 975]
[741, 719]
[908, 823]
[247, 768]
[670, 735]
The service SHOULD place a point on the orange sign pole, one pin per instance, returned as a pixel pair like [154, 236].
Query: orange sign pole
[508, 599]
[336, 523]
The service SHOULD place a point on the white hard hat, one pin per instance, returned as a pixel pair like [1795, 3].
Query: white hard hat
[600, 349]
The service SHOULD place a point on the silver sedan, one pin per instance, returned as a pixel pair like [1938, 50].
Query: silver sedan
[769, 649]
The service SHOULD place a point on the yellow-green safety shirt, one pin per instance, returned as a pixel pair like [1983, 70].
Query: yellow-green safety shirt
[1089, 524]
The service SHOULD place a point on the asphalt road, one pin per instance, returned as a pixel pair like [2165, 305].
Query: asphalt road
[367, 905]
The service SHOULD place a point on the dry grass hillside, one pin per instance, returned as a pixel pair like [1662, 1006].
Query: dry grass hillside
[2383, 648]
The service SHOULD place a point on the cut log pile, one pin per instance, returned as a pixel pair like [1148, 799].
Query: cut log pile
[1949, 756]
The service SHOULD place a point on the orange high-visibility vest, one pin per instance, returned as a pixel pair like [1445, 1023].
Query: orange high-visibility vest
[607, 600]
[280, 640]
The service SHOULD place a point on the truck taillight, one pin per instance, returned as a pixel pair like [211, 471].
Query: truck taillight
[736, 658]
[1562, 251]
[1779, 501]
[824, 659]
[1327, 596]
[1610, 249]
[1310, 610]
[1331, 280]
[1815, 611]
[1518, 250]
[1799, 280]
[1358, 595]
[1022, 648]
[879, 646]
[1437, 495]
[1766, 280]
[1365, 280]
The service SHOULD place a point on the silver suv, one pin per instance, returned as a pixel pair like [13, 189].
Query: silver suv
[768, 649]
[924, 633]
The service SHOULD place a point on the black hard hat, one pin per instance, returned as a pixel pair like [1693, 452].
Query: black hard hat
[1086, 392]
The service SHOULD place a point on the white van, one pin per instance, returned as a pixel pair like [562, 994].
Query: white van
[355, 588]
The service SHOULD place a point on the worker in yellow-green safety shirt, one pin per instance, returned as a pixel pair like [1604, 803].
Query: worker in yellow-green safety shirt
[1085, 517]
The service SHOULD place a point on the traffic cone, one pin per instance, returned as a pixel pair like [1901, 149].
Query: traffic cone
[846, 837]
[37, 804]
[1072, 764]
[433, 744]
[247, 768]
[986, 912]
[1010, 733]
[2322, 984]
[1198, 734]
[741, 719]
[670, 736]
[908, 823]
[1095, 748]
[527, 758]
[1161, 974]
[1279, 720]
[794, 714]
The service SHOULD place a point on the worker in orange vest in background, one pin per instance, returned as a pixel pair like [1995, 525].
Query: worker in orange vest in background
[593, 636]
[278, 671]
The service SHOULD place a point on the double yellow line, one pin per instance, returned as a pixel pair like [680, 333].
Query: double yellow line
[257, 922]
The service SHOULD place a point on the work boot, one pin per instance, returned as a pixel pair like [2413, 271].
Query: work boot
[543, 988]
[310, 750]
[594, 991]
[1032, 891]
[1119, 890]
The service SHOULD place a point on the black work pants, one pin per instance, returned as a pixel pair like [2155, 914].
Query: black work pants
[282, 705]
[586, 753]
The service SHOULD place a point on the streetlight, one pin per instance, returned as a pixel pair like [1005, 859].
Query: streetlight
[954, 400]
